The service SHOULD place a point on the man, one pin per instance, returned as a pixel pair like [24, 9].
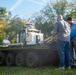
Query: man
[6, 42]
[62, 30]
[73, 27]
[72, 37]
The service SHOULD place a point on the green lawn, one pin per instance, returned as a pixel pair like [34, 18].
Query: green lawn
[4, 70]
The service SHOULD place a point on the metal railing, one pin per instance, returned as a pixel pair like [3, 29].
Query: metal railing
[50, 39]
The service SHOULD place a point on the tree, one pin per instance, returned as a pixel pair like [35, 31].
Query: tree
[60, 7]
[2, 12]
[9, 15]
[2, 32]
[2, 23]
[45, 18]
[10, 26]
[15, 24]
[73, 10]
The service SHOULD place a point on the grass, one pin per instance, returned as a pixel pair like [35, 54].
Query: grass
[5, 70]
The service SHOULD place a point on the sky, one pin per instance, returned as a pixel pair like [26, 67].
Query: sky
[23, 8]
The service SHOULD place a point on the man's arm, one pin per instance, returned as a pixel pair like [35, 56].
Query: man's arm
[54, 31]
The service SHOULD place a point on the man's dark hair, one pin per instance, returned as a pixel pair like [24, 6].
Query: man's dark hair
[69, 19]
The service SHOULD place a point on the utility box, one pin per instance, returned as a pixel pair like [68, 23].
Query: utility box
[34, 38]
[30, 35]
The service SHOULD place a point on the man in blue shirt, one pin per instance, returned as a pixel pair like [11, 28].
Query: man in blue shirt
[72, 36]
[73, 28]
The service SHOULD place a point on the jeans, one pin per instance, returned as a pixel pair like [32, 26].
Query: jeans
[64, 53]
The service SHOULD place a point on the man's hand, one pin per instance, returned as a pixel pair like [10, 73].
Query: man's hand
[53, 32]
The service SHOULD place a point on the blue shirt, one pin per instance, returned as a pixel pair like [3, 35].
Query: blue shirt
[73, 31]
